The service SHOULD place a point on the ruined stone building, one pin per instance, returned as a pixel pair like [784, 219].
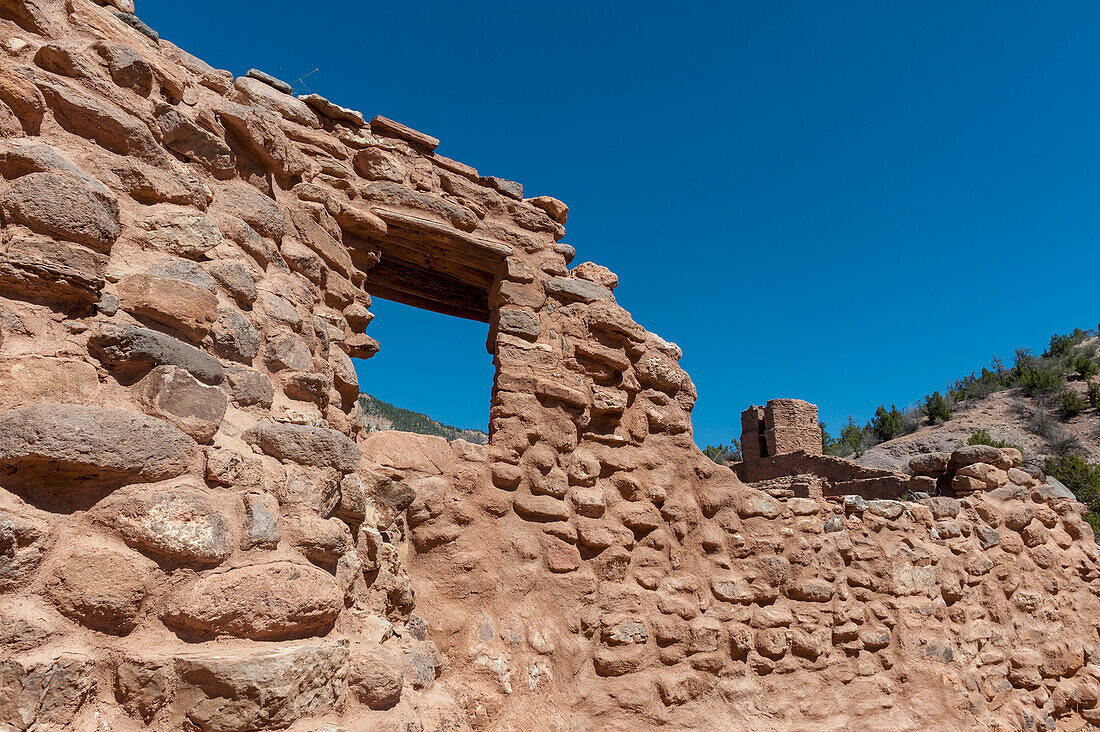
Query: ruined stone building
[196, 533]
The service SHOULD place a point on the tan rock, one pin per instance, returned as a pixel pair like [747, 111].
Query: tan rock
[175, 525]
[101, 589]
[275, 601]
[27, 380]
[180, 305]
[992, 477]
[261, 688]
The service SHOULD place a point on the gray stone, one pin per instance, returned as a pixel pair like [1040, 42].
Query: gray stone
[69, 444]
[269, 688]
[318, 447]
[234, 336]
[248, 387]
[65, 206]
[24, 540]
[181, 231]
[186, 270]
[236, 280]
[269, 80]
[509, 188]
[834, 524]
[519, 322]
[45, 694]
[988, 537]
[132, 349]
[176, 525]
[183, 136]
[261, 521]
[887, 509]
[288, 352]
[855, 504]
[108, 305]
[137, 24]
[567, 288]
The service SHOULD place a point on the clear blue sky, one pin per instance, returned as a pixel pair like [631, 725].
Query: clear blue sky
[847, 202]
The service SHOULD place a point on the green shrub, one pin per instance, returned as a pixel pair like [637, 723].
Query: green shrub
[887, 424]
[1081, 477]
[1040, 382]
[723, 454]
[936, 408]
[853, 439]
[981, 437]
[1084, 366]
[1094, 395]
[1072, 404]
[1061, 345]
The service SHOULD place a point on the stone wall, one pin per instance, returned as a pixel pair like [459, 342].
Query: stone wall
[195, 532]
[781, 426]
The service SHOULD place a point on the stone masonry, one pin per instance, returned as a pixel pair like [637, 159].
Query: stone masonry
[781, 426]
[196, 533]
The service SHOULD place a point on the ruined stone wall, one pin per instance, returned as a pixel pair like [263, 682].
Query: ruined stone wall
[781, 426]
[195, 532]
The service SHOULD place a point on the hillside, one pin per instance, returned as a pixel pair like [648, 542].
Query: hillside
[377, 415]
[1006, 416]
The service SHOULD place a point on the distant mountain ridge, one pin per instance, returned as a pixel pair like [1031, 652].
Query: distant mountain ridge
[377, 415]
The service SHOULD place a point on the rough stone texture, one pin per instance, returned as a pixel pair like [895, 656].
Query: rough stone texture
[181, 232]
[589, 568]
[174, 395]
[316, 446]
[187, 308]
[780, 427]
[52, 271]
[29, 380]
[175, 525]
[261, 521]
[24, 539]
[73, 444]
[134, 350]
[276, 601]
[261, 689]
[101, 589]
[44, 694]
[62, 205]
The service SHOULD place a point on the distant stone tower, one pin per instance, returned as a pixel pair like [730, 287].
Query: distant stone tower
[781, 426]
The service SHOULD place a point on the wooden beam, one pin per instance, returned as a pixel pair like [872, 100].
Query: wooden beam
[473, 247]
[429, 289]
